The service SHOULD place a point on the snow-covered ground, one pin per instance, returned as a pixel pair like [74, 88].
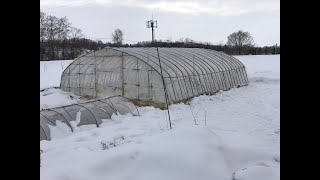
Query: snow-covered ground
[237, 136]
[50, 73]
[54, 97]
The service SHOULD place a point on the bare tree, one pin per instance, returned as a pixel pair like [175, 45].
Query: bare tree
[42, 25]
[43, 31]
[63, 29]
[117, 37]
[75, 34]
[181, 40]
[240, 39]
[60, 40]
[169, 39]
[188, 40]
[52, 32]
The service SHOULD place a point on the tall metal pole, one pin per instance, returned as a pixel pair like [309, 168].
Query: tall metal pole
[152, 31]
[165, 89]
[152, 24]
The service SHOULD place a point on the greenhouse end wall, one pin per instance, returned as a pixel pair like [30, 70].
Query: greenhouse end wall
[109, 72]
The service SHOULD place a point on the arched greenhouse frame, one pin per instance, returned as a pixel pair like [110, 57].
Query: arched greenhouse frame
[135, 73]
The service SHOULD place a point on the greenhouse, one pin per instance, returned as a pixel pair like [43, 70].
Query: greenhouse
[91, 112]
[150, 77]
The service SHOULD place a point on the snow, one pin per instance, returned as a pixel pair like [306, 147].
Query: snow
[262, 171]
[50, 73]
[60, 130]
[237, 136]
[50, 98]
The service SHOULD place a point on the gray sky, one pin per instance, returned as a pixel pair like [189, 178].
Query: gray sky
[201, 20]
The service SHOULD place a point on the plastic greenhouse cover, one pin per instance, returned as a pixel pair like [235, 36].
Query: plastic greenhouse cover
[92, 112]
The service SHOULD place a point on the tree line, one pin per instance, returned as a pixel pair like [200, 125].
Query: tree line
[60, 40]
[239, 43]
[231, 50]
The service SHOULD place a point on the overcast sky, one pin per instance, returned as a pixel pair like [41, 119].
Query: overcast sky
[201, 20]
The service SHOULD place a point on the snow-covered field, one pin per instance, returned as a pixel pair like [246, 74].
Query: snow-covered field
[237, 135]
[50, 73]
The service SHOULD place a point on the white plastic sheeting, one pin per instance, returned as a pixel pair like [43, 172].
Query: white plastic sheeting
[92, 112]
[135, 73]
